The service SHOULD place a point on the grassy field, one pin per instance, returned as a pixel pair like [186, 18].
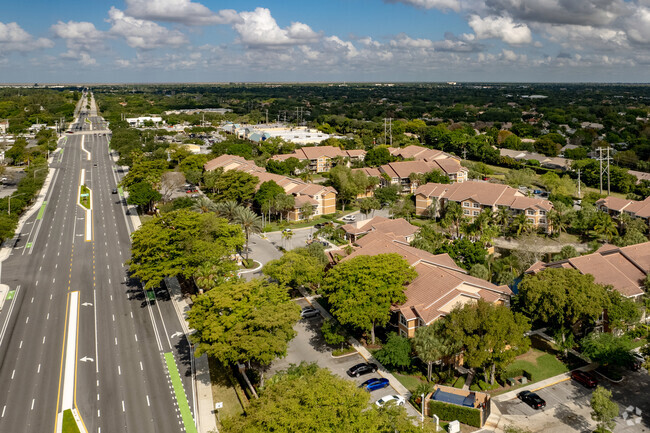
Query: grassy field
[539, 364]
[224, 391]
[69, 424]
[409, 382]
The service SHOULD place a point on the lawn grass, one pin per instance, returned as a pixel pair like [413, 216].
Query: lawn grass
[539, 364]
[69, 424]
[225, 391]
[460, 382]
[409, 382]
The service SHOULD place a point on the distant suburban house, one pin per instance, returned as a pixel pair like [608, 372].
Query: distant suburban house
[321, 198]
[554, 162]
[616, 206]
[625, 269]
[4, 126]
[439, 287]
[474, 196]
[321, 158]
[398, 229]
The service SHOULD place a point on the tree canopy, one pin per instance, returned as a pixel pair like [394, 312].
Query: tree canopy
[361, 290]
[242, 321]
[297, 267]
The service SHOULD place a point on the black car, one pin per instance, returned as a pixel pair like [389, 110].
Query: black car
[531, 399]
[360, 369]
[114, 191]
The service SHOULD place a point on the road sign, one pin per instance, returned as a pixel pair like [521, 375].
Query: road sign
[85, 194]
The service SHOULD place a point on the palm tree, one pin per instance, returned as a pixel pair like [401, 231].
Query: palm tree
[521, 224]
[502, 218]
[287, 235]
[250, 223]
[454, 216]
[206, 277]
[556, 220]
[204, 205]
[605, 227]
[228, 209]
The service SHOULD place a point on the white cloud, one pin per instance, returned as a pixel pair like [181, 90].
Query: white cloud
[143, 34]
[430, 4]
[582, 12]
[81, 39]
[500, 28]
[15, 38]
[258, 28]
[638, 26]
[180, 11]
[335, 44]
[405, 41]
[575, 38]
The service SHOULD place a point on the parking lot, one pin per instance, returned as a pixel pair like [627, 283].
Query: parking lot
[568, 407]
[309, 346]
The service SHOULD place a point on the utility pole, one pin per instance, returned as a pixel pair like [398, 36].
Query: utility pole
[579, 194]
[464, 153]
[390, 130]
[267, 116]
[603, 170]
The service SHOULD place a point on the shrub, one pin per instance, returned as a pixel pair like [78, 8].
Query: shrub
[450, 412]
[515, 373]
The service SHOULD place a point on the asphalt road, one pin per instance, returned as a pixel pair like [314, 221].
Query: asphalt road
[121, 382]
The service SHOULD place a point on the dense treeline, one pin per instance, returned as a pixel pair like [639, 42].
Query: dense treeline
[24, 107]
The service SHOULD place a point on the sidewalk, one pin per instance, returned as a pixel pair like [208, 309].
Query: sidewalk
[205, 419]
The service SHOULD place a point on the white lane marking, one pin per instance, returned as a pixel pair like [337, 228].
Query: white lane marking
[50, 296]
[96, 349]
[39, 368]
[43, 340]
[148, 404]
[131, 314]
[109, 281]
[32, 300]
[21, 344]
[39, 269]
[116, 341]
[98, 416]
[33, 400]
[113, 317]
[53, 280]
[141, 368]
[12, 374]
[97, 396]
[111, 297]
[3, 411]
[136, 337]
[36, 283]
[48, 316]
[27, 320]
[119, 370]
[123, 408]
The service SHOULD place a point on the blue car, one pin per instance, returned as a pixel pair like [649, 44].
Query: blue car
[375, 383]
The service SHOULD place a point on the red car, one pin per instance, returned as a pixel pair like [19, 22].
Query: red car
[190, 191]
[585, 378]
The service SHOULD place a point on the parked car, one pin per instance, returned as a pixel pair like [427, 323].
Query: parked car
[375, 383]
[349, 218]
[308, 312]
[191, 190]
[360, 369]
[531, 399]
[114, 191]
[397, 400]
[584, 378]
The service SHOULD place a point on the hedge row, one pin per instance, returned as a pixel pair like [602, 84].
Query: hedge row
[451, 412]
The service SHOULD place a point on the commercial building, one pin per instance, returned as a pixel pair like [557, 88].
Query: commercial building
[321, 198]
[475, 196]
[139, 122]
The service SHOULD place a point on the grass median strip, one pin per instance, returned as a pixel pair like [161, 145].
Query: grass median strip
[69, 423]
[41, 211]
[181, 398]
[84, 197]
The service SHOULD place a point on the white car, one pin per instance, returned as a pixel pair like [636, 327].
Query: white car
[398, 400]
[349, 218]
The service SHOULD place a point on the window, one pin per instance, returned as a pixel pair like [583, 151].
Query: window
[402, 320]
[530, 212]
[542, 212]
[466, 204]
[466, 212]
[542, 221]
[531, 220]
[403, 333]
[476, 213]
[477, 205]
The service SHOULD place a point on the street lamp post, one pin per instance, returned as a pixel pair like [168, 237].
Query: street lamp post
[9, 202]
[39, 169]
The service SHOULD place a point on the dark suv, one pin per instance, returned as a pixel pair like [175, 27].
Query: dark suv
[531, 399]
[360, 369]
[585, 378]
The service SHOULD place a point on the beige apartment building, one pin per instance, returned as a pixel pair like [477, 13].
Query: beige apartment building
[321, 198]
[322, 158]
[474, 196]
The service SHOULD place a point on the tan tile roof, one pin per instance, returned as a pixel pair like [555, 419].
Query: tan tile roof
[369, 171]
[403, 169]
[625, 269]
[448, 166]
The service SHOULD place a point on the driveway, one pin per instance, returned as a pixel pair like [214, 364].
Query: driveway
[309, 346]
[568, 407]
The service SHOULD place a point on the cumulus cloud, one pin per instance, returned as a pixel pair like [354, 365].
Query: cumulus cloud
[573, 37]
[500, 28]
[15, 38]
[143, 34]
[430, 4]
[582, 12]
[178, 11]
[259, 29]
[80, 38]
[449, 44]
[638, 26]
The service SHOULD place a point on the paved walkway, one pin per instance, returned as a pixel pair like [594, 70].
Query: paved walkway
[513, 244]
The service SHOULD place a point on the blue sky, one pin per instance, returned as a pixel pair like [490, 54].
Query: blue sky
[335, 40]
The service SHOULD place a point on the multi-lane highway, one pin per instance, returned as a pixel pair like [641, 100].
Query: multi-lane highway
[75, 332]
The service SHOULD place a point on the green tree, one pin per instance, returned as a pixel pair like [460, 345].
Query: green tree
[368, 205]
[178, 242]
[267, 193]
[347, 183]
[606, 348]
[361, 290]
[562, 298]
[396, 351]
[333, 332]
[295, 268]
[604, 226]
[480, 271]
[430, 344]
[145, 171]
[453, 216]
[377, 156]
[243, 321]
[284, 203]
[491, 335]
[621, 311]
[143, 195]
[603, 409]
[235, 185]
[403, 208]
[228, 209]
[520, 224]
[315, 400]
[307, 210]
[387, 194]
[204, 205]
[250, 222]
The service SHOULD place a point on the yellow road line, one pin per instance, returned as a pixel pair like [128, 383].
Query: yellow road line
[58, 396]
